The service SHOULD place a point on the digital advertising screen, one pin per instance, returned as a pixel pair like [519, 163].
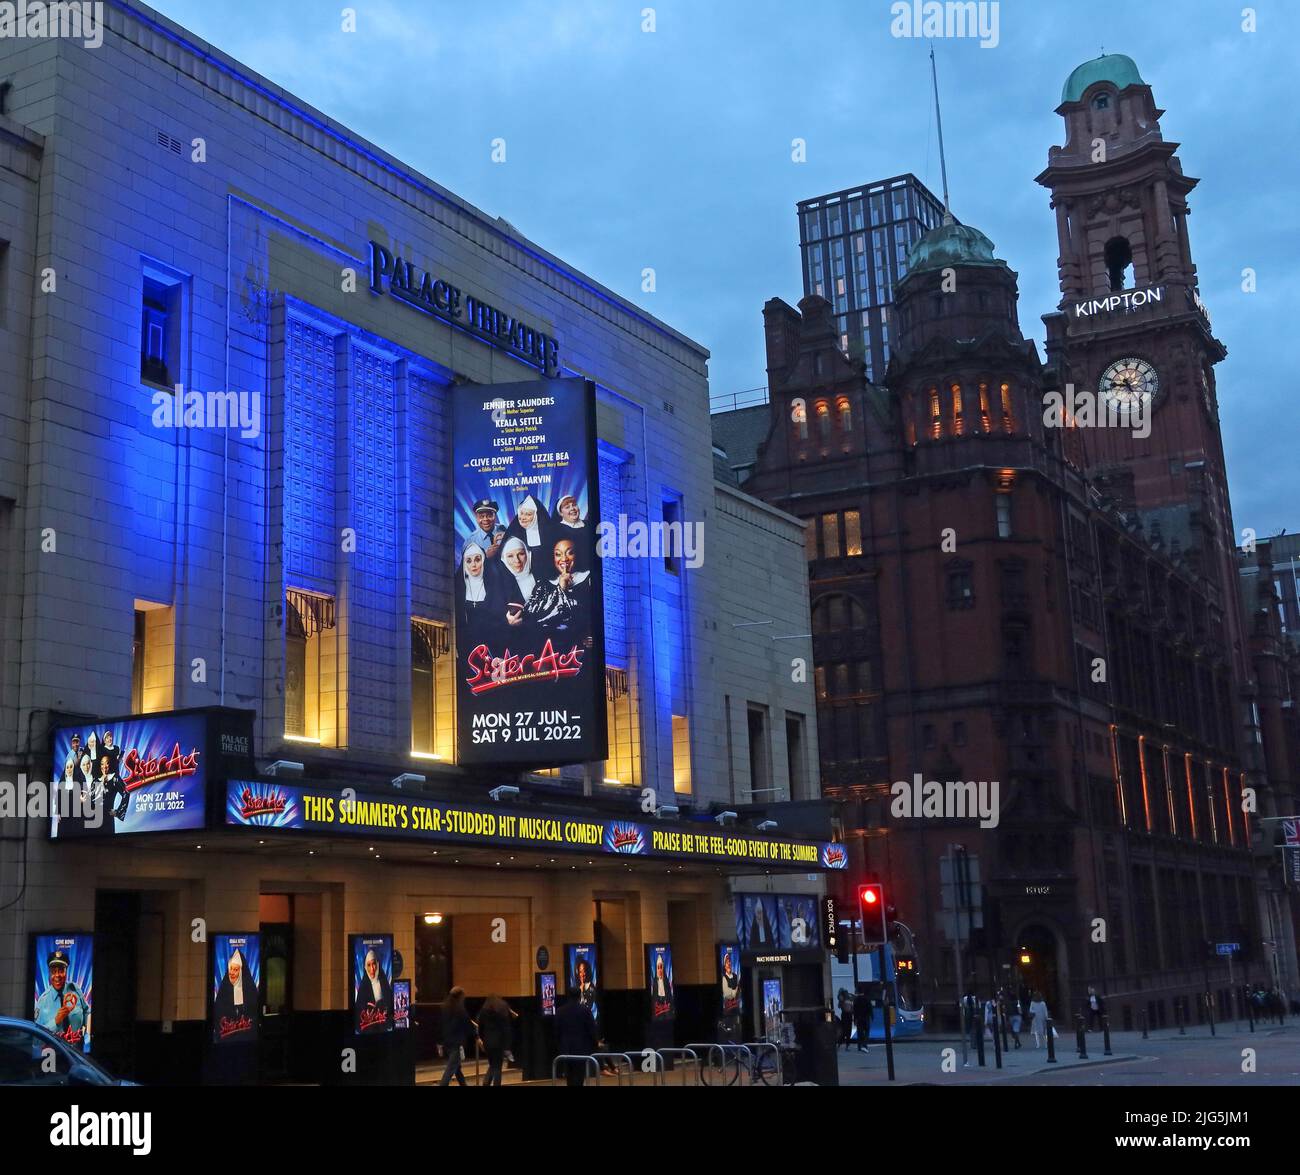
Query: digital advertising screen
[582, 975]
[64, 972]
[798, 927]
[401, 1003]
[371, 958]
[756, 922]
[659, 981]
[130, 775]
[236, 1008]
[529, 603]
[729, 983]
[546, 992]
[773, 1003]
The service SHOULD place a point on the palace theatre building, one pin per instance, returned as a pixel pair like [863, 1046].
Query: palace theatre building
[302, 460]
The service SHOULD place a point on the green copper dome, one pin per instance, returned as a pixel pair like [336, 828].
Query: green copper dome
[1115, 68]
[950, 245]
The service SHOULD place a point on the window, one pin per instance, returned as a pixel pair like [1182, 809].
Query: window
[1008, 418]
[831, 536]
[624, 763]
[673, 536]
[760, 764]
[852, 533]
[846, 415]
[959, 588]
[909, 412]
[956, 410]
[161, 325]
[1003, 504]
[681, 755]
[795, 755]
[823, 421]
[799, 415]
[936, 420]
[1119, 262]
[312, 700]
[1101, 102]
[810, 538]
[432, 732]
[153, 660]
[927, 736]
[985, 417]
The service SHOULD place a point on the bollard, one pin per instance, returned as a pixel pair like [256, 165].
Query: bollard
[1105, 1035]
[1081, 1038]
[997, 1040]
[1250, 1007]
[1144, 1024]
[1002, 1020]
[1209, 1011]
[979, 1036]
[1178, 1012]
[1051, 1043]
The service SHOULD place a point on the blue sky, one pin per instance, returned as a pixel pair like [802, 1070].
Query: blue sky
[671, 149]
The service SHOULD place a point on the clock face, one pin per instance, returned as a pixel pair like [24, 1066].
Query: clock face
[1130, 383]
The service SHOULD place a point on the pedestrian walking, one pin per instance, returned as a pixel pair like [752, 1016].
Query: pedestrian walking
[1016, 1021]
[457, 1032]
[991, 1016]
[495, 1030]
[862, 1017]
[575, 1035]
[1096, 1009]
[1038, 1014]
[845, 1002]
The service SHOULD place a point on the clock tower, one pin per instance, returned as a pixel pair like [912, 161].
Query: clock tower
[1131, 330]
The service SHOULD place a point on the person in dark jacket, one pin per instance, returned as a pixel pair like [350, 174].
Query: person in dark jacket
[457, 1032]
[575, 1033]
[1094, 1008]
[845, 1002]
[495, 1031]
[862, 1019]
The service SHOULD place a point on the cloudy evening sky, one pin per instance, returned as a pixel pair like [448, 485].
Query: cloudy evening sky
[672, 149]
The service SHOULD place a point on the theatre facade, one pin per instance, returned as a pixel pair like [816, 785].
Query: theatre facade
[302, 459]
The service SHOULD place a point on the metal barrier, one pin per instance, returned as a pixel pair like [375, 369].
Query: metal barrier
[618, 1072]
[758, 1047]
[684, 1053]
[595, 1065]
[744, 1059]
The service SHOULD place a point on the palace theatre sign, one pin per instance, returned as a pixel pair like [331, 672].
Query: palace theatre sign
[422, 289]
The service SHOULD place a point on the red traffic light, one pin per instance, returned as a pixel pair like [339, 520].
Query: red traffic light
[871, 907]
[870, 895]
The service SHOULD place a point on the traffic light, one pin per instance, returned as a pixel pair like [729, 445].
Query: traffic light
[871, 906]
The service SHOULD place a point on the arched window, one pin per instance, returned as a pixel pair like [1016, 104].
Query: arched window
[1008, 418]
[1101, 102]
[823, 420]
[846, 414]
[838, 613]
[1119, 262]
[799, 416]
[985, 417]
[956, 410]
[936, 420]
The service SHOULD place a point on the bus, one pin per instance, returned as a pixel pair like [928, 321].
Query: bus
[903, 975]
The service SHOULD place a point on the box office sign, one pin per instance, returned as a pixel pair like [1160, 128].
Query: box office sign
[529, 604]
[298, 807]
[143, 773]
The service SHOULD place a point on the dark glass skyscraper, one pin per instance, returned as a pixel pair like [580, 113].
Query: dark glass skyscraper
[854, 245]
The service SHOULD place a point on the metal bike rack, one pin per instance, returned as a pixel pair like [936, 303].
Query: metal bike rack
[595, 1065]
[618, 1072]
[685, 1054]
[722, 1049]
[758, 1046]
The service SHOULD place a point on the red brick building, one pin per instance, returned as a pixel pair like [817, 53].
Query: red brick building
[1054, 609]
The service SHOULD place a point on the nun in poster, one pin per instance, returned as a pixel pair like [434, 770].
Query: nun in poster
[235, 1005]
[562, 604]
[663, 1003]
[373, 1006]
[520, 584]
[480, 603]
[532, 524]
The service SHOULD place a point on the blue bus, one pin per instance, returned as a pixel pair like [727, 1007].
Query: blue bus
[902, 973]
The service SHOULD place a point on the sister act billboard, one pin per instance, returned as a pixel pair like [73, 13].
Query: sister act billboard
[530, 655]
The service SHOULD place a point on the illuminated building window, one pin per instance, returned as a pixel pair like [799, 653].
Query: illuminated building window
[623, 767]
[831, 536]
[1003, 504]
[810, 538]
[956, 410]
[153, 658]
[432, 729]
[799, 416]
[936, 419]
[681, 755]
[313, 703]
[823, 420]
[846, 414]
[852, 533]
[1008, 418]
[985, 417]
[161, 325]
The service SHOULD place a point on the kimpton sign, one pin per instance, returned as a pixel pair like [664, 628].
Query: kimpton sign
[1127, 300]
[421, 288]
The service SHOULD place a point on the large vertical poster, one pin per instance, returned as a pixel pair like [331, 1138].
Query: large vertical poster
[64, 966]
[236, 992]
[371, 957]
[659, 981]
[729, 978]
[530, 642]
[581, 975]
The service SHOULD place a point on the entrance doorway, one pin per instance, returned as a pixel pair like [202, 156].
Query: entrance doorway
[117, 946]
[1037, 967]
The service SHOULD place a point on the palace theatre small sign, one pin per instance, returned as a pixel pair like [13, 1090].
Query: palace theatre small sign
[422, 289]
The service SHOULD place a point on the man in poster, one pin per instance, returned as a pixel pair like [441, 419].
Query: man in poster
[61, 1007]
[373, 1005]
[236, 1002]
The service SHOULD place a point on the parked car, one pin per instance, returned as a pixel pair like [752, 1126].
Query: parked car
[32, 1055]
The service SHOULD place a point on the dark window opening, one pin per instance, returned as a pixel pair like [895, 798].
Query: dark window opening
[1119, 262]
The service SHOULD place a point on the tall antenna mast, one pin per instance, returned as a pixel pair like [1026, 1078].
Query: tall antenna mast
[938, 118]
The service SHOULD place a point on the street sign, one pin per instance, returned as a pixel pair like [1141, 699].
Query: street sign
[1291, 854]
[1226, 948]
[830, 925]
[1291, 831]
